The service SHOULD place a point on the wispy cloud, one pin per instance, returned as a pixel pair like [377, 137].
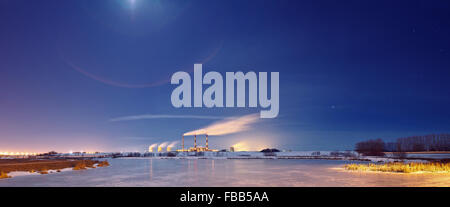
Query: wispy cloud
[227, 126]
[163, 116]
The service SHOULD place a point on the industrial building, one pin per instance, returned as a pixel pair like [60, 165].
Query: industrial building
[196, 148]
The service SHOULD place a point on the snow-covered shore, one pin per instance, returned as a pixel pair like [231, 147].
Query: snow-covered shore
[26, 173]
[325, 155]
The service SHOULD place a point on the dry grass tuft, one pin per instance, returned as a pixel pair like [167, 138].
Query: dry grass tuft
[84, 164]
[4, 175]
[80, 166]
[400, 167]
[103, 164]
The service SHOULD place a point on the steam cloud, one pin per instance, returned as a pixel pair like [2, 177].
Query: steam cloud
[228, 126]
[171, 145]
[162, 145]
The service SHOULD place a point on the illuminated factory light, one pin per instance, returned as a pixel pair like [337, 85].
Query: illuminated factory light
[196, 148]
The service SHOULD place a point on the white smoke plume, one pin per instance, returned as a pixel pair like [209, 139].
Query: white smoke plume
[227, 126]
[172, 144]
[162, 145]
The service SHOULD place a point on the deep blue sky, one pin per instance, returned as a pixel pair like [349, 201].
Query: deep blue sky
[349, 70]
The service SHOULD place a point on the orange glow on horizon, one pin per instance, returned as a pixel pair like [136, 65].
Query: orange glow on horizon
[249, 146]
[19, 153]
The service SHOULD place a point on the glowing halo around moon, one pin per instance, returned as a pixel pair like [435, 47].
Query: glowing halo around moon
[133, 4]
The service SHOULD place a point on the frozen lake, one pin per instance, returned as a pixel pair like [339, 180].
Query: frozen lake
[225, 172]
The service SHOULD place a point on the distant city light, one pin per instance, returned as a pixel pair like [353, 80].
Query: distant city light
[18, 153]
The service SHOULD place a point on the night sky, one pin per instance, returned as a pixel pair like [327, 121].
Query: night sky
[349, 70]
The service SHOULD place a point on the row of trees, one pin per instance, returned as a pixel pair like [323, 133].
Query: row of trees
[431, 142]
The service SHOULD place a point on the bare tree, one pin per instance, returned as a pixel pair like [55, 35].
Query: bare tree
[370, 147]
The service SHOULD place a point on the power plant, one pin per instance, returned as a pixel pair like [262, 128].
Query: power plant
[159, 148]
[196, 148]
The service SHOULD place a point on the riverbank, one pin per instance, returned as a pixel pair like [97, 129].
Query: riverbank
[44, 166]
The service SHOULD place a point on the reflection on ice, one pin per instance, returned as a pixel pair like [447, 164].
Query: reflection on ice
[225, 172]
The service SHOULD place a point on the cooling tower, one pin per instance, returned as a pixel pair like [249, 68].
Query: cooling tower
[151, 147]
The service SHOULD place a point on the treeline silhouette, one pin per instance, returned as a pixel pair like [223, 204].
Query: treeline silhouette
[373, 147]
[431, 142]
